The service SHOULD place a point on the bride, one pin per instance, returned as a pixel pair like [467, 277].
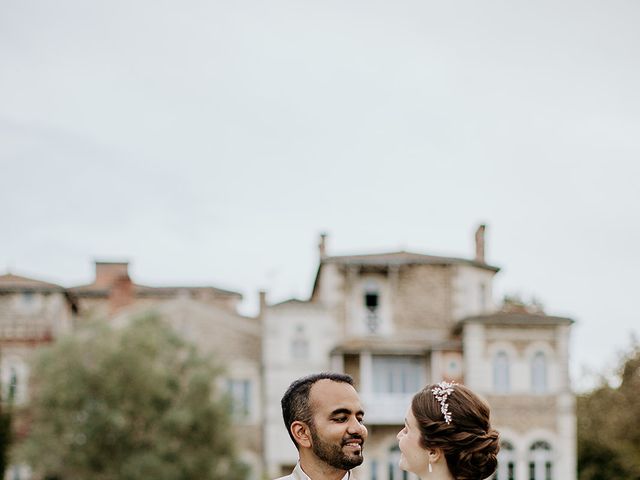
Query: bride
[447, 435]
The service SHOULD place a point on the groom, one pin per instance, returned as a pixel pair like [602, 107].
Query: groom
[323, 415]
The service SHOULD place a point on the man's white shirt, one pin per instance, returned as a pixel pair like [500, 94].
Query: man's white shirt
[298, 474]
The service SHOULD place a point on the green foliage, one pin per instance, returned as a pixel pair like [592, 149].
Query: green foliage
[130, 404]
[5, 435]
[609, 426]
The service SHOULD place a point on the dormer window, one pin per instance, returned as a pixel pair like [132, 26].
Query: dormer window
[372, 303]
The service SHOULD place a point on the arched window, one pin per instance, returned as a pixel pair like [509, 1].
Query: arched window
[540, 461]
[300, 344]
[374, 470]
[501, 380]
[506, 462]
[395, 473]
[539, 373]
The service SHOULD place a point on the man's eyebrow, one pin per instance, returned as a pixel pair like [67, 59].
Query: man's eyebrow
[339, 411]
[346, 411]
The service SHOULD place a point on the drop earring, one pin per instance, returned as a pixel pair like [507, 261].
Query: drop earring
[430, 468]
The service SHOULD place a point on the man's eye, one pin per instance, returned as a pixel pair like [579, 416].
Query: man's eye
[340, 419]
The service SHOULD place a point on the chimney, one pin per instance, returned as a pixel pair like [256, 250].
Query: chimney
[322, 246]
[121, 293]
[107, 273]
[480, 243]
[262, 294]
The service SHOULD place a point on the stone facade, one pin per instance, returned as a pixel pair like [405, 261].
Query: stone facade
[402, 320]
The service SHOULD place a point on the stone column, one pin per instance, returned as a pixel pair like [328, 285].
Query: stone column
[366, 373]
[394, 280]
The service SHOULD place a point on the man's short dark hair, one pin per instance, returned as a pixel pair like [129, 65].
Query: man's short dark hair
[295, 402]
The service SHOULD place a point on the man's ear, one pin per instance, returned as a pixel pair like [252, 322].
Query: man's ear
[301, 433]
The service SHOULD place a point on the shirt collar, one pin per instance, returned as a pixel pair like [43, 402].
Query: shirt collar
[299, 474]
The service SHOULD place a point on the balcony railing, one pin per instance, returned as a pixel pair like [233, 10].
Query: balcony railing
[25, 331]
[385, 408]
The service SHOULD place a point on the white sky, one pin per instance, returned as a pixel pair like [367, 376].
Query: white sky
[210, 142]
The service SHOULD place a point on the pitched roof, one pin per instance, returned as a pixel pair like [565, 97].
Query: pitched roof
[403, 258]
[94, 290]
[17, 283]
[395, 259]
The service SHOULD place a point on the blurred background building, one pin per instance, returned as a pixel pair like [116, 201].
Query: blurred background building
[397, 321]
[394, 321]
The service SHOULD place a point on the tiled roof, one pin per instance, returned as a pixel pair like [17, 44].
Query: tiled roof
[403, 258]
[16, 283]
[94, 290]
[142, 289]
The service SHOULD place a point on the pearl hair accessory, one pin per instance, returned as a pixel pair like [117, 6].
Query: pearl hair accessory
[442, 392]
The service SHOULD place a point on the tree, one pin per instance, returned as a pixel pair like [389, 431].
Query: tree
[5, 433]
[129, 404]
[609, 426]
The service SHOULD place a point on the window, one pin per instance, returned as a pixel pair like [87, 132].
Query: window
[539, 373]
[28, 302]
[13, 383]
[240, 393]
[374, 470]
[540, 464]
[501, 380]
[14, 374]
[483, 297]
[372, 303]
[395, 473]
[506, 462]
[299, 345]
[18, 472]
[395, 374]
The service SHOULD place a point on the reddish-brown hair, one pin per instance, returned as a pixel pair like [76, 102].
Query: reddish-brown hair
[469, 444]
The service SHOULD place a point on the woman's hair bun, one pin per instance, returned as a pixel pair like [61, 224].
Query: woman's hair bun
[479, 459]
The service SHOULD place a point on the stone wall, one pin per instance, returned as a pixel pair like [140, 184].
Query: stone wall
[423, 298]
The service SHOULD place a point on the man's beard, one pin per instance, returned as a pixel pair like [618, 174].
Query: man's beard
[333, 455]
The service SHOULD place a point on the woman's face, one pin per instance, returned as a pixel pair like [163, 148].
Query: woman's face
[413, 457]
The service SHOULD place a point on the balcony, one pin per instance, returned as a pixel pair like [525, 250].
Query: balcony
[385, 408]
[25, 331]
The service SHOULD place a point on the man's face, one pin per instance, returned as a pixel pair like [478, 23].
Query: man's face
[337, 432]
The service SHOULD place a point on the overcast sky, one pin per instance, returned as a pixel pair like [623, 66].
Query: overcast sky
[210, 142]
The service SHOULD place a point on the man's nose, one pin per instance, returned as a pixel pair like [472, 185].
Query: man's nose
[355, 426]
